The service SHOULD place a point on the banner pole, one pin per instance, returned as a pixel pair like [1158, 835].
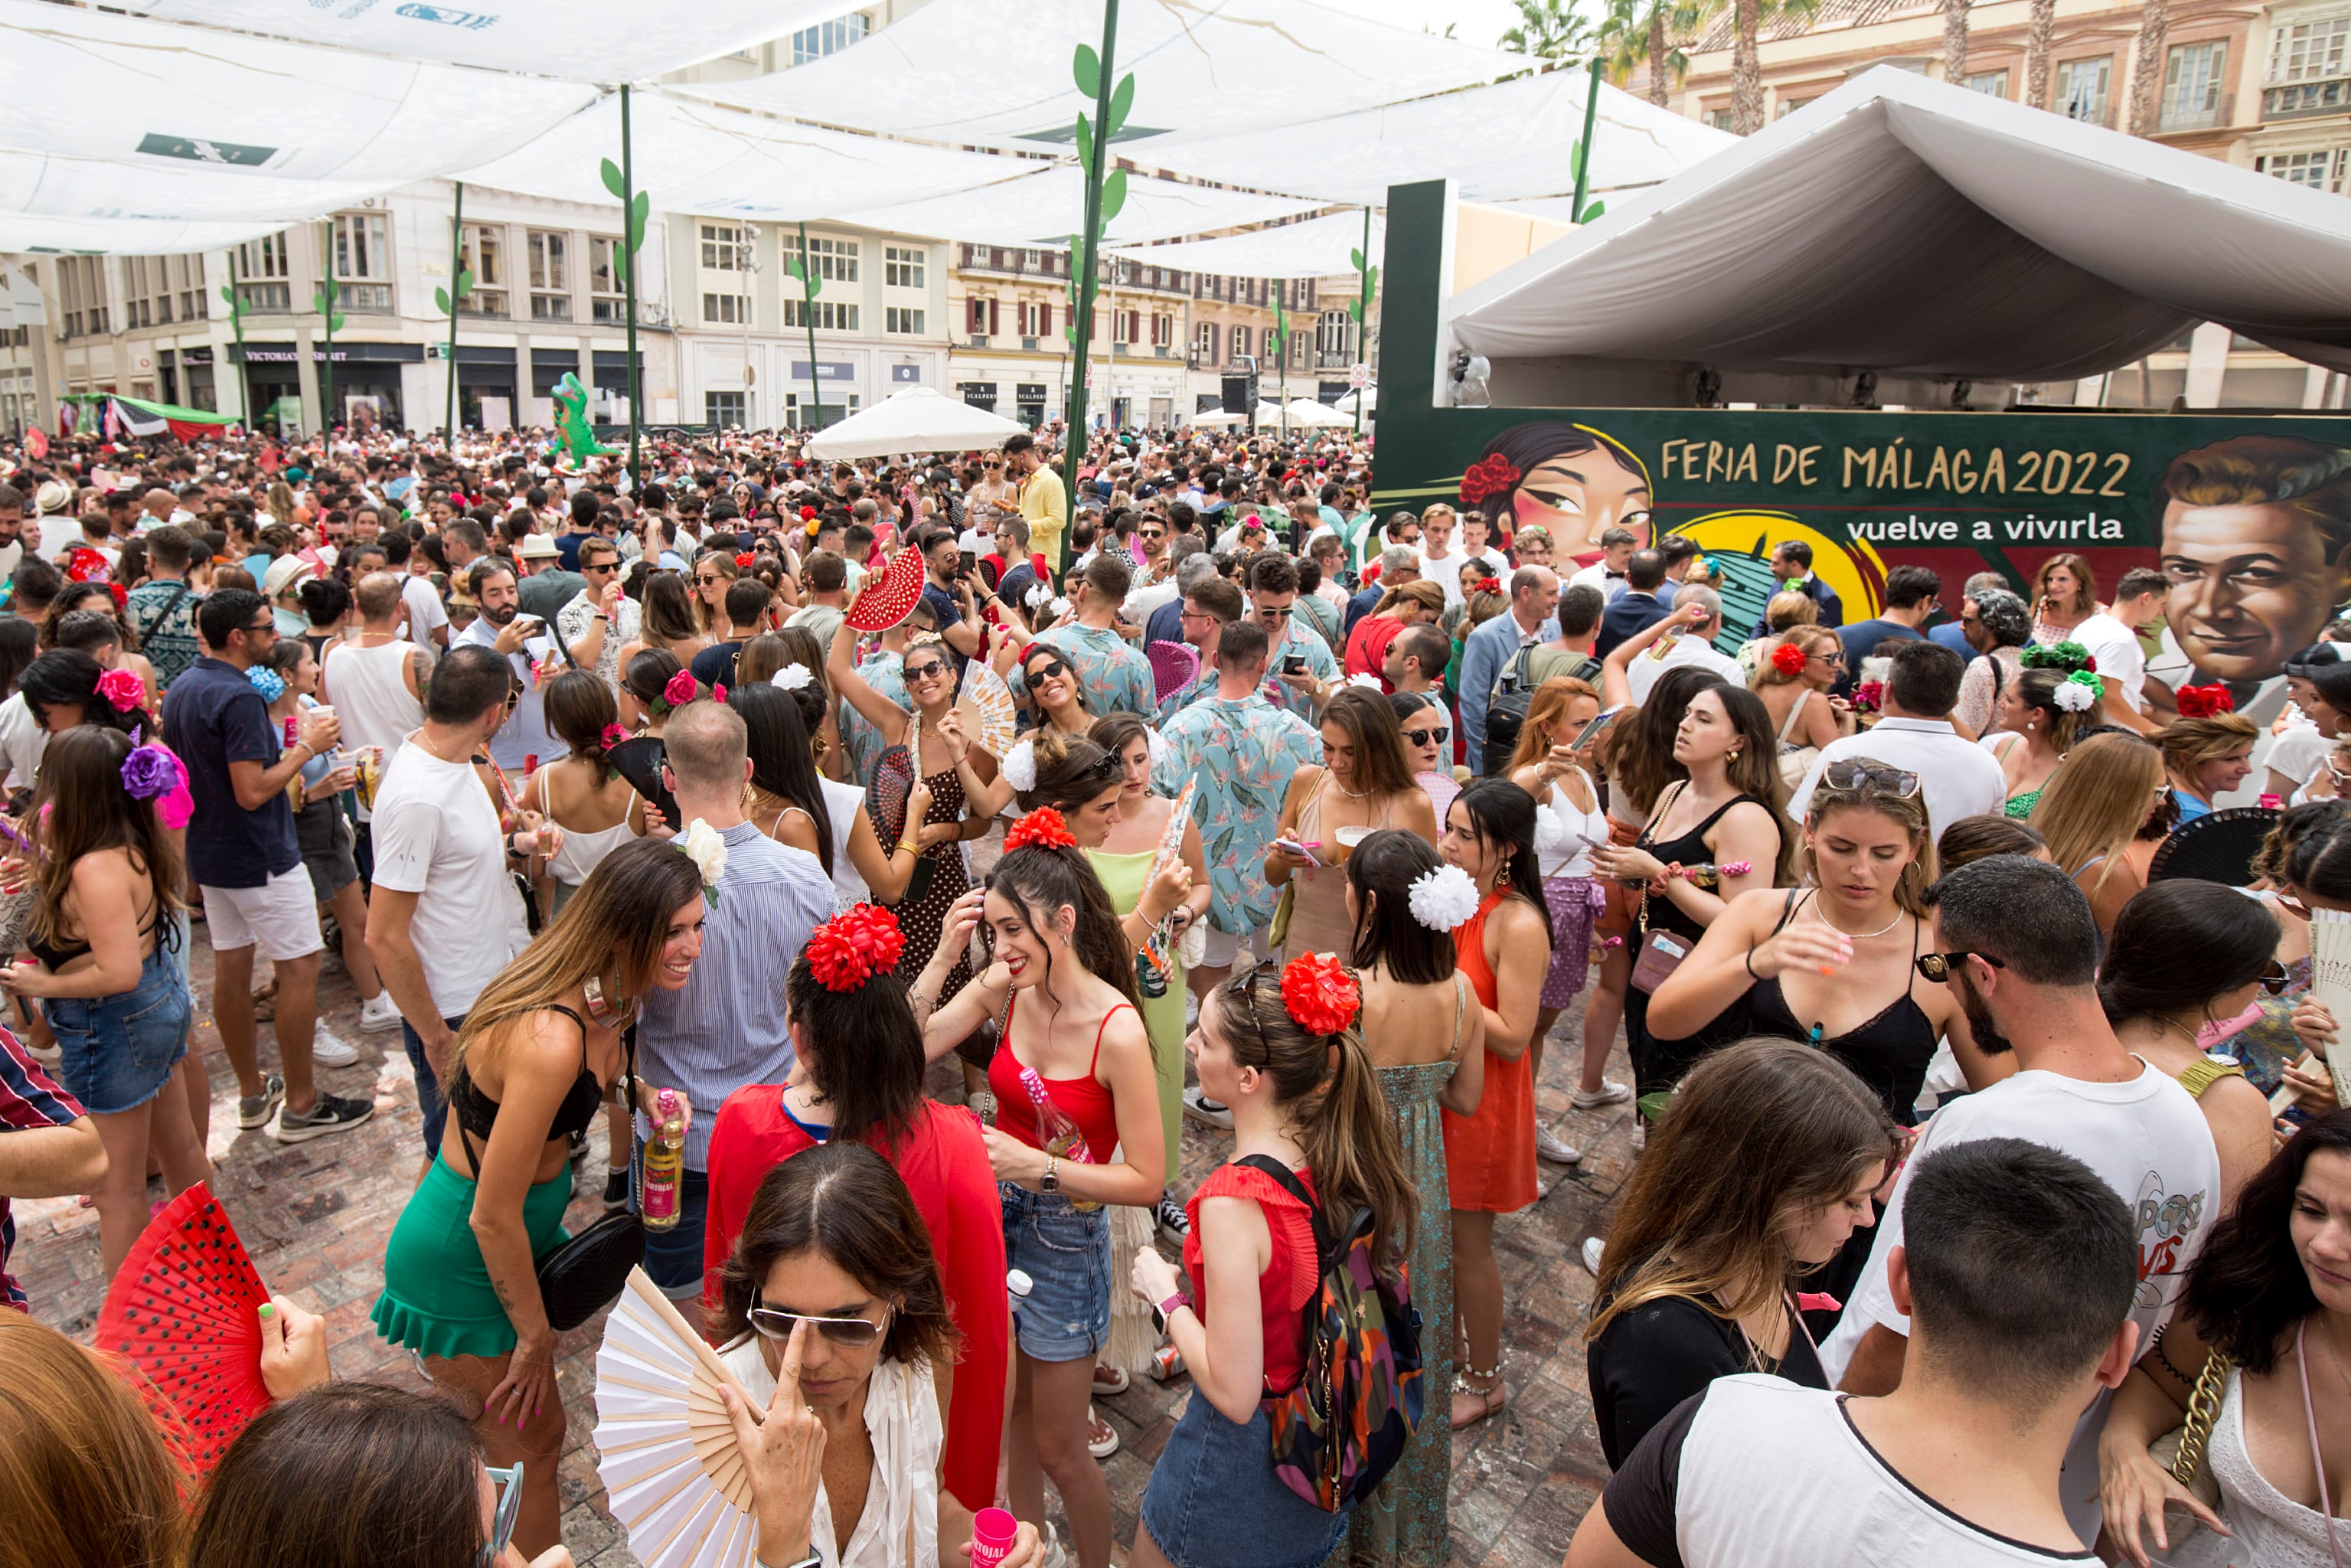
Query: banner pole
[629, 241]
[457, 292]
[1089, 243]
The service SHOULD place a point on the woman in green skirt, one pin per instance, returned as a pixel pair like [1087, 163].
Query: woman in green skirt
[535, 1062]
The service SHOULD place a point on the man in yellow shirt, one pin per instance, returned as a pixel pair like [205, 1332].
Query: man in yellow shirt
[1044, 501]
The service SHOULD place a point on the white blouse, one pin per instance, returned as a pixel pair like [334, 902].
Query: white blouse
[900, 1526]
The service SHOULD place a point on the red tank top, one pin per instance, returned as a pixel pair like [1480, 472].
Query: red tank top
[1292, 1270]
[1085, 1100]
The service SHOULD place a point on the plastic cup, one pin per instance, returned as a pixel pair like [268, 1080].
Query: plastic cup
[993, 1530]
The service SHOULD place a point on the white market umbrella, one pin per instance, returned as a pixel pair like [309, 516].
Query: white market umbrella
[1266, 413]
[919, 419]
[1370, 397]
[1216, 418]
[1306, 410]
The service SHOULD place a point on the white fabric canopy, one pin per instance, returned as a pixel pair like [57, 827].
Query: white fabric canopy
[1902, 224]
[35, 183]
[1318, 247]
[22, 233]
[584, 40]
[1215, 419]
[1369, 397]
[919, 419]
[170, 99]
[1512, 140]
[1306, 410]
[1047, 207]
[974, 71]
[696, 158]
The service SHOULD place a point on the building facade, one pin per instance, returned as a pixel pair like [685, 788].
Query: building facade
[2266, 88]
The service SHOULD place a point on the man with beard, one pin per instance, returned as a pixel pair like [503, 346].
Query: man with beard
[502, 628]
[12, 525]
[2256, 545]
[2023, 952]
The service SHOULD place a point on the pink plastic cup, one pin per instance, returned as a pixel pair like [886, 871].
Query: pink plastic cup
[993, 1532]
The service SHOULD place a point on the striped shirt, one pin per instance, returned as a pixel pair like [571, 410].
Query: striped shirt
[725, 1026]
[30, 1098]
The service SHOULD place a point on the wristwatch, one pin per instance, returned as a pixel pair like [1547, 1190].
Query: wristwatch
[1162, 1311]
[1051, 1180]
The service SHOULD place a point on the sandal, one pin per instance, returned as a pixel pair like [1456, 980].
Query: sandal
[1491, 1399]
[264, 1004]
[1101, 1437]
[1110, 1379]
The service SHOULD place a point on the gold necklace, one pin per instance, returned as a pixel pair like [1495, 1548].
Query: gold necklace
[1822, 915]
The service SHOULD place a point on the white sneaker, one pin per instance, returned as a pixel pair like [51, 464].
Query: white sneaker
[328, 1050]
[1548, 1145]
[379, 1014]
[1610, 1093]
[1593, 1247]
[1200, 1108]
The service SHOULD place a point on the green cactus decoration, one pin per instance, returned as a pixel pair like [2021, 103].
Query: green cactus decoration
[810, 284]
[1585, 213]
[1105, 195]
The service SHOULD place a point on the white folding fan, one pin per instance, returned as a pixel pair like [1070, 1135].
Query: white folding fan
[2330, 982]
[990, 720]
[665, 1443]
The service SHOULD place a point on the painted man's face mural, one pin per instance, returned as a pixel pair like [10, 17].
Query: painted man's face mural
[2250, 585]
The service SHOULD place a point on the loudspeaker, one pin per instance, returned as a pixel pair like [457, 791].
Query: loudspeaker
[1240, 393]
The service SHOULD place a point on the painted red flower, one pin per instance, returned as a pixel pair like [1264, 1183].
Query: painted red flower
[1320, 995]
[1495, 476]
[1789, 660]
[1044, 826]
[853, 946]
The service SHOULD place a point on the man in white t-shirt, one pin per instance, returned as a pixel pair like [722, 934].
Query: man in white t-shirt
[1697, 617]
[2112, 638]
[1440, 563]
[2018, 1277]
[2021, 952]
[445, 917]
[1955, 777]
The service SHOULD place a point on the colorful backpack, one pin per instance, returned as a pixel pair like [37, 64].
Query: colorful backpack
[1343, 1427]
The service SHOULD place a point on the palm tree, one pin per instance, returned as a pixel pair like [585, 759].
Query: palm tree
[1641, 32]
[2040, 31]
[1747, 18]
[2146, 68]
[1954, 41]
[1548, 31]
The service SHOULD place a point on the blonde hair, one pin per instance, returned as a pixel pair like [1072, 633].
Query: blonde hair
[1440, 513]
[1907, 812]
[1426, 594]
[89, 1479]
[2096, 802]
[2189, 743]
[1787, 609]
[1809, 639]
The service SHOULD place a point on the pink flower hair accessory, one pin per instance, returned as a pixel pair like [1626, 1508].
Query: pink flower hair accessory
[121, 688]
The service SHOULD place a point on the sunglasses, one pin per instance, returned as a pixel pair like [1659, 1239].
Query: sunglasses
[509, 1482]
[924, 672]
[1155, 533]
[598, 566]
[1939, 966]
[1424, 736]
[1047, 670]
[851, 1333]
[267, 628]
[706, 582]
[1898, 782]
[2276, 978]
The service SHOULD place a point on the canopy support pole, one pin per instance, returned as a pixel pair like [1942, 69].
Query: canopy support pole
[1583, 163]
[1089, 243]
[808, 286]
[456, 266]
[237, 325]
[326, 304]
[629, 241]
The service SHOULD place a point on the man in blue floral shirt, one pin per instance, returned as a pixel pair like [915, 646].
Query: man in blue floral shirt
[1114, 677]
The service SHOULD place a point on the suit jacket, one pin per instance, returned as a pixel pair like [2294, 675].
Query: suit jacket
[1628, 614]
[1820, 593]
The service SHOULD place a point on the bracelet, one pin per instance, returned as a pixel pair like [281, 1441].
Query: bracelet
[1751, 965]
[909, 845]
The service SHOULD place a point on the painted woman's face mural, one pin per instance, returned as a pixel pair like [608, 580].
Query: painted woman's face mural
[1575, 498]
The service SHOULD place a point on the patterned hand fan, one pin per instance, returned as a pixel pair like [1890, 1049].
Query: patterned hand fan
[885, 796]
[2330, 982]
[888, 595]
[990, 719]
[2219, 846]
[1174, 666]
[184, 1311]
[1155, 966]
[666, 1446]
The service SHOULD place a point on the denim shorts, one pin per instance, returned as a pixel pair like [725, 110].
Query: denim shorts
[1066, 1255]
[117, 1052]
[1213, 1500]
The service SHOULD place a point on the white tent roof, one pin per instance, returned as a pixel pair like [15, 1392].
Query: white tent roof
[974, 71]
[584, 40]
[1306, 410]
[697, 158]
[1047, 207]
[1318, 247]
[180, 98]
[1215, 418]
[1899, 224]
[33, 233]
[919, 419]
[1511, 140]
[35, 183]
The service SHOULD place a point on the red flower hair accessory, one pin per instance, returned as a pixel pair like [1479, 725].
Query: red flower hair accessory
[1495, 475]
[808, 514]
[1045, 827]
[1319, 994]
[2203, 702]
[1789, 660]
[853, 946]
[743, 560]
[681, 690]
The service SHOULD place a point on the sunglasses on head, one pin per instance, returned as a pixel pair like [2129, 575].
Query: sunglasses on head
[1424, 736]
[1898, 782]
[851, 1333]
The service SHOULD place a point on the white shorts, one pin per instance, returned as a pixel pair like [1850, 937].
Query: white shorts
[280, 917]
[1224, 948]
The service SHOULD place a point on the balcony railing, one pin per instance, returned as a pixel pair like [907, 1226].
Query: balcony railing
[2303, 98]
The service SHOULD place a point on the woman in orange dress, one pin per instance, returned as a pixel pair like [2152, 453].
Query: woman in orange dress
[1504, 950]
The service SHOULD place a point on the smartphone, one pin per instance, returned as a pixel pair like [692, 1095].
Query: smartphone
[1293, 665]
[1585, 735]
[1293, 847]
[918, 885]
[965, 562]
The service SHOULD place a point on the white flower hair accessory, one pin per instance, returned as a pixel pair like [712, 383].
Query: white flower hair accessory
[707, 850]
[1020, 767]
[1551, 831]
[1443, 898]
[1059, 606]
[1040, 592]
[1364, 679]
[792, 677]
[2079, 692]
[1158, 744]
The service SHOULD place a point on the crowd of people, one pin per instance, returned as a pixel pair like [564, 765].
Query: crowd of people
[1991, 1192]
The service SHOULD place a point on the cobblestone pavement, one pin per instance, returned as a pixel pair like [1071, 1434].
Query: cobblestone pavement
[317, 1215]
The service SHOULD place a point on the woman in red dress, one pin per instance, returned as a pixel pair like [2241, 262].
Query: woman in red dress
[858, 1074]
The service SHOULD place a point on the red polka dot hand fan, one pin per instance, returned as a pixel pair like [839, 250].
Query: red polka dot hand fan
[885, 796]
[184, 1311]
[890, 594]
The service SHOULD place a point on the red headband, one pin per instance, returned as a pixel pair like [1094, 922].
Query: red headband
[853, 946]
